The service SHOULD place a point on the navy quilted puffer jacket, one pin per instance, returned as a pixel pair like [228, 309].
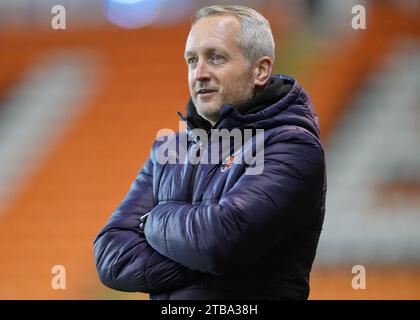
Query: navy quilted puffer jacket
[214, 231]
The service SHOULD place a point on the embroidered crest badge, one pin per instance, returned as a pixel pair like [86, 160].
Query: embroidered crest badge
[228, 161]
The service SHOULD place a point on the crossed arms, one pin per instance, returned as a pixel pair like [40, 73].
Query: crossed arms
[183, 241]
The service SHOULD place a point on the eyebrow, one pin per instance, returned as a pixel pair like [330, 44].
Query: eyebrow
[189, 53]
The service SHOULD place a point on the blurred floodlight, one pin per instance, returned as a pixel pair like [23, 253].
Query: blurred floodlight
[132, 13]
[174, 11]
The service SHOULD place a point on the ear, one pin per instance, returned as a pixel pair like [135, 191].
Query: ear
[262, 70]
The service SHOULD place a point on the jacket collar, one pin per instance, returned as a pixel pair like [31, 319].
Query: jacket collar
[277, 87]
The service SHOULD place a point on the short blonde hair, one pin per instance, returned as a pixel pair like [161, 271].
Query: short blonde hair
[255, 38]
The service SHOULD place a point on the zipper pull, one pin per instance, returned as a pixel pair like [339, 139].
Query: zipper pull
[142, 225]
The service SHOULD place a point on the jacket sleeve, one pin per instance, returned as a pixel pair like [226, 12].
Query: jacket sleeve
[124, 259]
[254, 215]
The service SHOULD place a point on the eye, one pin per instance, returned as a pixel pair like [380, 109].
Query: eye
[191, 60]
[217, 58]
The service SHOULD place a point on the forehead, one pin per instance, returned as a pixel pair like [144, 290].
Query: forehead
[214, 31]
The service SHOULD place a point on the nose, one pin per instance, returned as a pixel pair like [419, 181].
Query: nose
[202, 72]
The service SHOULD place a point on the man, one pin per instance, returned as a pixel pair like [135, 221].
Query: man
[217, 230]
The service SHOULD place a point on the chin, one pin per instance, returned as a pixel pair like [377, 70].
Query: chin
[207, 109]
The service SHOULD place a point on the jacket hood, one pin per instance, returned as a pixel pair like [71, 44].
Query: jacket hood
[282, 102]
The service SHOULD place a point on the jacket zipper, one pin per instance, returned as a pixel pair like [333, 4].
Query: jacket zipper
[194, 173]
[195, 166]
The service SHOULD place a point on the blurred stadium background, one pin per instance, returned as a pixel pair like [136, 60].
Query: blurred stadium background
[80, 108]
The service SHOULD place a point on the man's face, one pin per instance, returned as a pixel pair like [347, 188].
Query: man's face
[218, 71]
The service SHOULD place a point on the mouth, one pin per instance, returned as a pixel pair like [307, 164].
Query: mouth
[205, 92]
